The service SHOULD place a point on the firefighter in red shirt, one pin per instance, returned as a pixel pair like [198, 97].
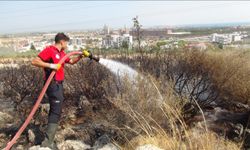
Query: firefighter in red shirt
[48, 59]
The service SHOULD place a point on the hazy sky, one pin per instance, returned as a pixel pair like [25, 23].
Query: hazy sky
[28, 16]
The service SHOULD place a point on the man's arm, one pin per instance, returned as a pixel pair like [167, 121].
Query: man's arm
[74, 60]
[40, 63]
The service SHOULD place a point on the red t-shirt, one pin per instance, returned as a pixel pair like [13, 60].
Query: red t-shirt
[52, 55]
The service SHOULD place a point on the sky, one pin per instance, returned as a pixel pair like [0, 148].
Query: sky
[45, 16]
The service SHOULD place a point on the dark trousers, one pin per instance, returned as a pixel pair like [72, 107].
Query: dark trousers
[55, 94]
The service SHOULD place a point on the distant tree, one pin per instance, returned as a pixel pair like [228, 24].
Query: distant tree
[125, 45]
[182, 43]
[32, 47]
[154, 48]
[161, 43]
[138, 31]
[220, 46]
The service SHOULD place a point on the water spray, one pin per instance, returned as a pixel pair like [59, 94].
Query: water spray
[119, 69]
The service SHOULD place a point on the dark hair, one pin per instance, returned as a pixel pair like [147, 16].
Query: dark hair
[61, 36]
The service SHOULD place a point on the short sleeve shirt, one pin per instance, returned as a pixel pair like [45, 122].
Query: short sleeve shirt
[52, 55]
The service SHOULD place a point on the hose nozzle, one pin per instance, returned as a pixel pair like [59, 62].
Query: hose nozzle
[88, 54]
[94, 58]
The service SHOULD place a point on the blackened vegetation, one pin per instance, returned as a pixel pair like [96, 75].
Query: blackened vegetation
[89, 79]
[21, 86]
[21, 83]
[212, 80]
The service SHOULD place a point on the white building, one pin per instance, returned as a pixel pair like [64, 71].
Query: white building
[236, 37]
[115, 40]
[107, 41]
[226, 38]
[76, 43]
[221, 38]
[106, 30]
[75, 47]
[127, 38]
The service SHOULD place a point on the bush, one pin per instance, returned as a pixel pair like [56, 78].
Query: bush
[89, 79]
[22, 82]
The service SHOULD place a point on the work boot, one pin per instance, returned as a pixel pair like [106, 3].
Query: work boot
[49, 137]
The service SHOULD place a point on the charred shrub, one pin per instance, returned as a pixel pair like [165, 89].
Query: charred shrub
[21, 83]
[89, 79]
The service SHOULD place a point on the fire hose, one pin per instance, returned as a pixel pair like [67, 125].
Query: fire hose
[35, 107]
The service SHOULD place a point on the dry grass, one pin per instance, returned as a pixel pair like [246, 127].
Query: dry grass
[199, 141]
[230, 72]
[163, 125]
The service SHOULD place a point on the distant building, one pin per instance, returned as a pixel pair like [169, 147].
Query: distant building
[127, 38]
[236, 37]
[169, 31]
[226, 38]
[74, 47]
[49, 35]
[107, 41]
[116, 41]
[105, 29]
[221, 38]
[124, 30]
[76, 41]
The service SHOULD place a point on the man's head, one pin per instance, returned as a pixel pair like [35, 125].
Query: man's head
[62, 40]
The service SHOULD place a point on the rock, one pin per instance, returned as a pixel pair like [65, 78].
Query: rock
[83, 102]
[109, 146]
[61, 134]
[45, 108]
[104, 143]
[83, 97]
[39, 148]
[101, 141]
[31, 136]
[7, 106]
[3, 139]
[4, 119]
[72, 115]
[19, 147]
[148, 147]
[74, 145]
[5, 116]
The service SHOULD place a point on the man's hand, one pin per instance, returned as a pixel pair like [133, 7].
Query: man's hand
[55, 66]
[86, 53]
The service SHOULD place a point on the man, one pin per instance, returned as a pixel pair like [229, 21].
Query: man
[48, 59]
